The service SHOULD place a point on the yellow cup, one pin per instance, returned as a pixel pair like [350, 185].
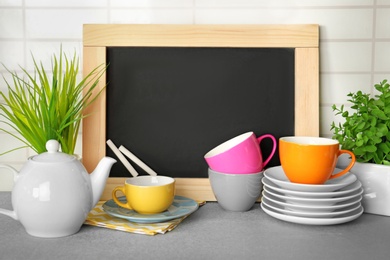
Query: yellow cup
[147, 194]
[311, 160]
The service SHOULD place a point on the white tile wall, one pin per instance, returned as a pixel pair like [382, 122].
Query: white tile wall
[11, 2]
[43, 50]
[382, 19]
[14, 29]
[12, 54]
[151, 4]
[282, 3]
[345, 56]
[60, 23]
[355, 38]
[67, 3]
[152, 16]
[382, 54]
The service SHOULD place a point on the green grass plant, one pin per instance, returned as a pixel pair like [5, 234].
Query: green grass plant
[39, 108]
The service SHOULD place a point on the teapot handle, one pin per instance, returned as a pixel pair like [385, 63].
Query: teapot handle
[9, 213]
[12, 169]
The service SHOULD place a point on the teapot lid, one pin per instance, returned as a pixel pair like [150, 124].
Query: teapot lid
[52, 154]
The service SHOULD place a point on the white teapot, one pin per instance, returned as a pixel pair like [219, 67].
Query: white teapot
[53, 192]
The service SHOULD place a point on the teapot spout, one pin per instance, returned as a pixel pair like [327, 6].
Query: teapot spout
[99, 177]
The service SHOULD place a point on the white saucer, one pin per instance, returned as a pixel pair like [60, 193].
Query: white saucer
[313, 201]
[277, 175]
[307, 194]
[314, 221]
[312, 208]
[277, 208]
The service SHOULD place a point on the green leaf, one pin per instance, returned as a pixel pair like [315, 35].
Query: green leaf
[382, 129]
[376, 159]
[384, 147]
[373, 121]
[370, 148]
[360, 126]
[386, 162]
[376, 139]
[359, 143]
[358, 151]
[379, 114]
[387, 108]
[379, 103]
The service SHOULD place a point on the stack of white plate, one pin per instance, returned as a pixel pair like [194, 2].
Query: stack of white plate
[334, 202]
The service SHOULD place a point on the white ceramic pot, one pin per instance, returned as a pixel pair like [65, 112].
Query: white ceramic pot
[375, 179]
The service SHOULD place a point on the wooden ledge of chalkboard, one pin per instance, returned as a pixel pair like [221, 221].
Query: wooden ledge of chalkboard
[198, 189]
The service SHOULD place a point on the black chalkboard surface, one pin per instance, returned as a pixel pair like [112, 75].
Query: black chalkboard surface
[171, 105]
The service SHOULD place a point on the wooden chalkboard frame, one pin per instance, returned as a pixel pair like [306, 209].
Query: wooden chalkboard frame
[97, 37]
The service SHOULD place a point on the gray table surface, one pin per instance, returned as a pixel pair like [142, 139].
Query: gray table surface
[209, 233]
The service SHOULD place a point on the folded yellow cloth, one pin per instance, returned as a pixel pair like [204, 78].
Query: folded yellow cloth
[98, 217]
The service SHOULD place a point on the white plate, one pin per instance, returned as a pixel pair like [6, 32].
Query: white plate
[313, 201]
[277, 208]
[314, 221]
[331, 194]
[277, 176]
[312, 208]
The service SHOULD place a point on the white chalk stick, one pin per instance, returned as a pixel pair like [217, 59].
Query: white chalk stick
[122, 158]
[135, 159]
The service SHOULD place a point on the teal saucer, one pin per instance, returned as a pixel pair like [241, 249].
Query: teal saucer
[180, 207]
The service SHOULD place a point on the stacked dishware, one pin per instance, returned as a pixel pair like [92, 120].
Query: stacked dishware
[307, 188]
[236, 169]
[334, 202]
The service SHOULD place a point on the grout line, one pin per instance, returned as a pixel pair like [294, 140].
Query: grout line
[193, 11]
[279, 7]
[63, 7]
[105, 8]
[327, 104]
[109, 12]
[346, 40]
[194, 6]
[26, 152]
[373, 46]
[42, 39]
[24, 33]
[355, 72]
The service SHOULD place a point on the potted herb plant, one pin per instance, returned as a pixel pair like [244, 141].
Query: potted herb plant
[366, 132]
[38, 108]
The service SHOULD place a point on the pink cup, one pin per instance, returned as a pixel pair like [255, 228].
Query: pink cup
[239, 155]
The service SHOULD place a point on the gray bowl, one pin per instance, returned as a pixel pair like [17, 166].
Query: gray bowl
[236, 192]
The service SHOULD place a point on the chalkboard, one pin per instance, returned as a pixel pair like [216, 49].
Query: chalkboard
[176, 91]
[169, 106]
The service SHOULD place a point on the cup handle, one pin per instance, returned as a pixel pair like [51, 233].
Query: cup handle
[259, 139]
[115, 198]
[346, 170]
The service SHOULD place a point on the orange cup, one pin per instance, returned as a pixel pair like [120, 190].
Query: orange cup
[311, 160]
